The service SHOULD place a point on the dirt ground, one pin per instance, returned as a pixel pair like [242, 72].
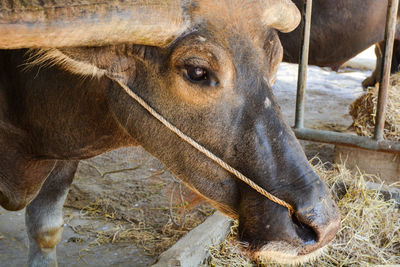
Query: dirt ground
[117, 212]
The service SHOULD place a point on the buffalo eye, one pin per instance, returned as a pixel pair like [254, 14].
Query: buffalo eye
[196, 74]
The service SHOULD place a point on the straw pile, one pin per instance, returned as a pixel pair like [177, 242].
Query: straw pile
[363, 111]
[123, 197]
[153, 238]
[369, 234]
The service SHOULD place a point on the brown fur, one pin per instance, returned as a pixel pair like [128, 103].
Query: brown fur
[50, 238]
[67, 110]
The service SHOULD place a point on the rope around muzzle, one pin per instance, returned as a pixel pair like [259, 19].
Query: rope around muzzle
[202, 149]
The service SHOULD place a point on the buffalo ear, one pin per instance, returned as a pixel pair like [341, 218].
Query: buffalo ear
[274, 55]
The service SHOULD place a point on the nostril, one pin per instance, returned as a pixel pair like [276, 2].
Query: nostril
[316, 226]
[305, 232]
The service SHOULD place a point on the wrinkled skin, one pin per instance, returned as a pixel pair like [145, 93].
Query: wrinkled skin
[339, 31]
[50, 118]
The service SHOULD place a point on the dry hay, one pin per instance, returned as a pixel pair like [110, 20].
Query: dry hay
[369, 233]
[123, 198]
[152, 237]
[363, 111]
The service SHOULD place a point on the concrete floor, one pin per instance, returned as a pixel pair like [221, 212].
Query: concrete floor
[74, 249]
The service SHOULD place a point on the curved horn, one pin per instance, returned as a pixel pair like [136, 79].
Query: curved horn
[60, 23]
[282, 15]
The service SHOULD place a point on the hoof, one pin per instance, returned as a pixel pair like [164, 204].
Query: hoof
[369, 82]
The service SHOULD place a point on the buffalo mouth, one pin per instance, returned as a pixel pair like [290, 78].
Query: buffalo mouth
[285, 253]
[281, 252]
[311, 246]
[278, 237]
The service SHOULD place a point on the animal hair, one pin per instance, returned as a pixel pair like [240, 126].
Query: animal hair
[285, 253]
[54, 57]
[92, 61]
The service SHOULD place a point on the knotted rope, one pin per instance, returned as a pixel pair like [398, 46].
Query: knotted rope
[202, 149]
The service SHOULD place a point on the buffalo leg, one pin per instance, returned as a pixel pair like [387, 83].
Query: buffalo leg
[375, 77]
[43, 216]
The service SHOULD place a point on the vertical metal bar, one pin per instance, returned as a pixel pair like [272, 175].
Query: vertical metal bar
[391, 20]
[302, 75]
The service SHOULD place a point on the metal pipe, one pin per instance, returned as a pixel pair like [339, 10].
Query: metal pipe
[341, 138]
[347, 140]
[391, 20]
[302, 74]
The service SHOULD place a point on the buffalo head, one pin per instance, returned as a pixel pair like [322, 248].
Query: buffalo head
[207, 67]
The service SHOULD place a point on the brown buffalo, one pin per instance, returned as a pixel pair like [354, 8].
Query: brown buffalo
[206, 66]
[340, 30]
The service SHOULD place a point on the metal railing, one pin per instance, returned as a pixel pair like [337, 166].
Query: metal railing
[376, 143]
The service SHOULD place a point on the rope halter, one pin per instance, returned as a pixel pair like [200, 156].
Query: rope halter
[202, 149]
